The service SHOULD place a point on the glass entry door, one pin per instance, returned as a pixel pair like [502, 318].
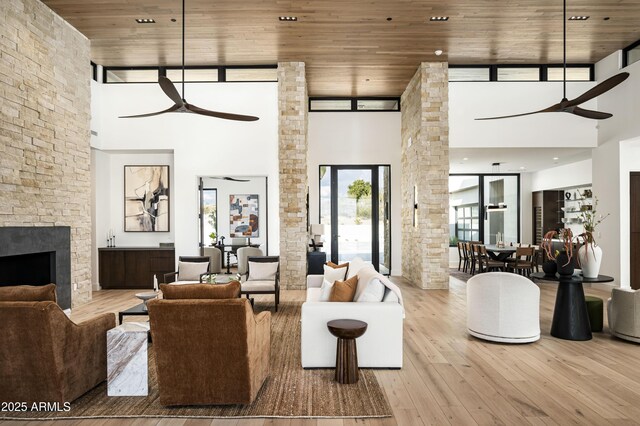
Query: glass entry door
[354, 204]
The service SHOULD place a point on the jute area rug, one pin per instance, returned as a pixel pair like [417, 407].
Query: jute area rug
[290, 391]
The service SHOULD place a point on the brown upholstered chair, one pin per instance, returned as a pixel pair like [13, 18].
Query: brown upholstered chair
[209, 351]
[44, 356]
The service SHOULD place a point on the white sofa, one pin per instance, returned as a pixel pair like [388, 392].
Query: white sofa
[379, 347]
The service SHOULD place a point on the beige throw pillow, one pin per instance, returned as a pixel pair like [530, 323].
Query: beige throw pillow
[262, 271]
[191, 271]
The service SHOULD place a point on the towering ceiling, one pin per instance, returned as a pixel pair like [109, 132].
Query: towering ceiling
[351, 47]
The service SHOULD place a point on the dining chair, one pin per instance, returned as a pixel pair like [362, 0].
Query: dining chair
[489, 264]
[477, 259]
[461, 256]
[523, 262]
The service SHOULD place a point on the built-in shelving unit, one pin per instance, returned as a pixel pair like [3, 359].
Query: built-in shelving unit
[575, 201]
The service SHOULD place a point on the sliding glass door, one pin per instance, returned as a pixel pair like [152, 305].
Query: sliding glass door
[354, 205]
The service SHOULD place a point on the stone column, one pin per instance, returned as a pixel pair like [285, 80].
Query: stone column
[425, 177]
[292, 154]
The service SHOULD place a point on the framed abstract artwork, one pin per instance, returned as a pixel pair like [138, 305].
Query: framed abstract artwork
[244, 217]
[146, 198]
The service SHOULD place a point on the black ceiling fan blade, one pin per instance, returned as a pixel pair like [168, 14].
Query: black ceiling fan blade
[599, 89]
[170, 90]
[553, 108]
[587, 113]
[231, 179]
[151, 114]
[223, 115]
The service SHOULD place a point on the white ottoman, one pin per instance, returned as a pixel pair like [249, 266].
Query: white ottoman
[127, 360]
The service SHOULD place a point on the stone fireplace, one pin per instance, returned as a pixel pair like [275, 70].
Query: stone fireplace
[37, 255]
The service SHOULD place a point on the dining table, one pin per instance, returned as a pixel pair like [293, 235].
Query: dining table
[500, 254]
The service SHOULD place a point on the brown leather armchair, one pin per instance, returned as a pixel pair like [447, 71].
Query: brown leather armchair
[44, 356]
[209, 351]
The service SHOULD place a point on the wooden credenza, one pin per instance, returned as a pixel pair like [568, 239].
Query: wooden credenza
[133, 267]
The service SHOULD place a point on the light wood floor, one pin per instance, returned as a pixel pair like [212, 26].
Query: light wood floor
[451, 378]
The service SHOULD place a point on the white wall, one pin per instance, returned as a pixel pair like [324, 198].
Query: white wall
[471, 100]
[560, 177]
[201, 146]
[616, 156]
[357, 138]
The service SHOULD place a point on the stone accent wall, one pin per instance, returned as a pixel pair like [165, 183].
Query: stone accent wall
[425, 167]
[44, 129]
[292, 153]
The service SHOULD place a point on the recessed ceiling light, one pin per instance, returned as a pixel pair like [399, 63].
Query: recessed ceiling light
[555, 158]
[438, 52]
[523, 168]
[578, 18]
[465, 159]
[439, 18]
[145, 21]
[389, 19]
[606, 18]
[288, 18]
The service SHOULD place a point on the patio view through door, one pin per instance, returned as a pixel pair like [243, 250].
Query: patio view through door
[354, 205]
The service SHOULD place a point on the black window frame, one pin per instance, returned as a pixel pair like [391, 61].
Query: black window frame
[543, 71]
[94, 71]
[625, 53]
[354, 103]
[481, 200]
[222, 72]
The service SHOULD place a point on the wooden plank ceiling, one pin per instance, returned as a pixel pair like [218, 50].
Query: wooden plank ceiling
[350, 47]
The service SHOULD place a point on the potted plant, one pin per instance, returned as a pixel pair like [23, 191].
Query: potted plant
[214, 238]
[589, 254]
[562, 257]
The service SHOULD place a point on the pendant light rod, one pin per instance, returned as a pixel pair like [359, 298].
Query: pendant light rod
[183, 97]
[564, 48]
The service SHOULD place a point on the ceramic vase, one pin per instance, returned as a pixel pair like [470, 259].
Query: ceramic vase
[590, 257]
[550, 267]
[565, 266]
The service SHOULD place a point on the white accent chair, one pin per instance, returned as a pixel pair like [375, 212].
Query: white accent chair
[243, 255]
[215, 254]
[503, 307]
[262, 280]
[623, 311]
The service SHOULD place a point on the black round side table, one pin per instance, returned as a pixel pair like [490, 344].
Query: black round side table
[570, 315]
[347, 331]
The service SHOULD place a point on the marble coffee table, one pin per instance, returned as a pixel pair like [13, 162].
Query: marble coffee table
[127, 370]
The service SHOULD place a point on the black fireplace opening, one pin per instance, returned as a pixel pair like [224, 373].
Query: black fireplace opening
[28, 269]
[37, 255]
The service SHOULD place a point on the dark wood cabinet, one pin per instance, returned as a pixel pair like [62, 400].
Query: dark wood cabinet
[315, 262]
[547, 214]
[133, 267]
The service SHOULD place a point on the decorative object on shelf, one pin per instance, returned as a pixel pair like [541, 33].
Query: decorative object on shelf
[587, 193]
[589, 253]
[179, 100]
[571, 106]
[111, 238]
[563, 257]
[244, 215]
[146, 198]
[567, 195]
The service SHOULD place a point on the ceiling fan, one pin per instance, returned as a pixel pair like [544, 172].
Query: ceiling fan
[230, 178]
[180, 103]
[571, 106]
